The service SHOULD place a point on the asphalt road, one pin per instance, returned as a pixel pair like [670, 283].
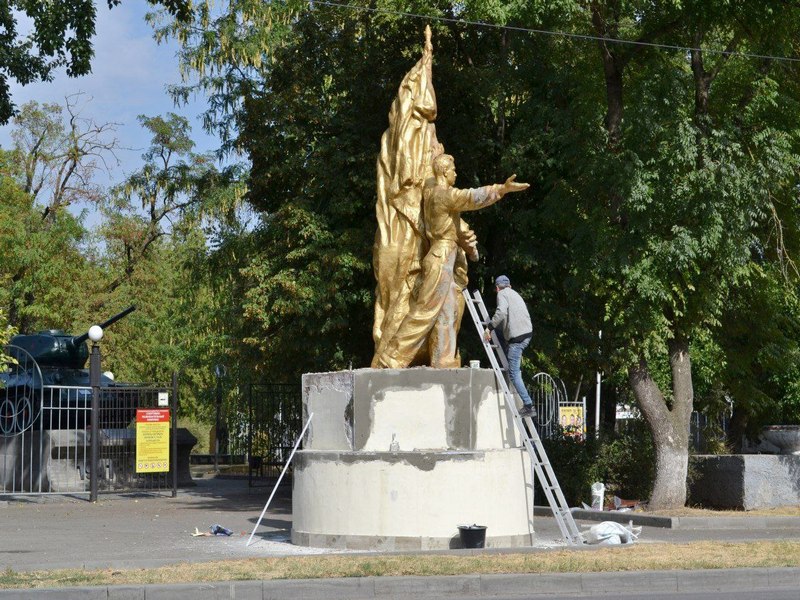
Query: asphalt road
[130, 531]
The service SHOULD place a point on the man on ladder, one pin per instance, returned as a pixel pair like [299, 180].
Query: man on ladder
[512, 320]
[511, 311]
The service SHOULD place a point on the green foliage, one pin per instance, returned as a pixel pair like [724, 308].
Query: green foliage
[6, 331]
[43, 273]
[624, 461]
[574, 462]
[651, 231]
[61, 35]
[174, 243]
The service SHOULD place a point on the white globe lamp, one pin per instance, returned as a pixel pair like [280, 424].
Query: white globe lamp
[95, 333]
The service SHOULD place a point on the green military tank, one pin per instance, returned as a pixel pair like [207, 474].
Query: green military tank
[47, 385]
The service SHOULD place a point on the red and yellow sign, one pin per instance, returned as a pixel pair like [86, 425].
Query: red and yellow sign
[152, 440]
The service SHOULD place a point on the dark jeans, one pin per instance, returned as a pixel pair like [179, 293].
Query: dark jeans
[514, 355]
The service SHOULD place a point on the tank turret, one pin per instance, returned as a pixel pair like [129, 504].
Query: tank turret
[55, 348]
[56, 359]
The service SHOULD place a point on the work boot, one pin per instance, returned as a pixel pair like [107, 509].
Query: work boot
[528, 411]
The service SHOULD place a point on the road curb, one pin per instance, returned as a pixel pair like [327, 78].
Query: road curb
[638, 518]
[463, 586]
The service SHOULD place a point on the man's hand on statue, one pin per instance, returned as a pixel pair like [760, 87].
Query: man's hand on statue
[513, 186]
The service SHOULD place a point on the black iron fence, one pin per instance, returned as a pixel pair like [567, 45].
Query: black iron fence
[274, 420]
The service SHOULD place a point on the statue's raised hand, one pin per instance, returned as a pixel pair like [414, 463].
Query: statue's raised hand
[513, 186]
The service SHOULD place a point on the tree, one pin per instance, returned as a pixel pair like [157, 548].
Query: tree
[695, 165]
[174, 187]
[164, 227]
[61, 35]
[51, 167]
[59, 157]
[285, 89]
[664, 180]
[44, 273]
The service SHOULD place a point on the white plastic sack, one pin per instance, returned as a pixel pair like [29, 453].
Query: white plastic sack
[609, 533]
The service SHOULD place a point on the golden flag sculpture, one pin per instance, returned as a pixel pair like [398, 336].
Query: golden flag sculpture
[408, 148]
[422, 243]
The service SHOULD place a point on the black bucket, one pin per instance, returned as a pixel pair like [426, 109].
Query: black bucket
[472, 536]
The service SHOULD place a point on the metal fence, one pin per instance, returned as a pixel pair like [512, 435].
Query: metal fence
[46, 435]
[557, 415]
[707, 432]
[117, 466]
[274, 420]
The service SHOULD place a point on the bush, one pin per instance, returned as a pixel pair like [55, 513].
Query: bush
[574, 462]
[624, 461]
[627, 462]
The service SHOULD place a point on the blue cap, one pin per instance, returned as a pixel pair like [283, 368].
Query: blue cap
[502, 281]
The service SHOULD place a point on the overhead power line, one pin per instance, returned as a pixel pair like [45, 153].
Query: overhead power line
[564, 34]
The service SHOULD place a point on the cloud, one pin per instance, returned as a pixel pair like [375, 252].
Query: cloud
[130, 75]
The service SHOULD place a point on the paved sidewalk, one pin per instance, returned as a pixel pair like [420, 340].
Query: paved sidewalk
[130, 531]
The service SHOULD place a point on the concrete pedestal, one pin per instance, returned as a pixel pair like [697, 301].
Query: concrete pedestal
[745, 481]
[398, 459]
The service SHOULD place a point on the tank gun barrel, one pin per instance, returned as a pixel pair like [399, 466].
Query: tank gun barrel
[79, 339]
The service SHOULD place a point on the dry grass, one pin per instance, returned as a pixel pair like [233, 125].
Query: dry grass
[696, 555]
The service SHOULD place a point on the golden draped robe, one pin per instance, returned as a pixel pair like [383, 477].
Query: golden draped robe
[408, 148]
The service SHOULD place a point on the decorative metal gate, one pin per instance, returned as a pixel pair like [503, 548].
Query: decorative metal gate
[547, 394]
[274, 422]
[46, 434]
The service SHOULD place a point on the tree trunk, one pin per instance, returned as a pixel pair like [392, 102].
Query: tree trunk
[613, 68]
[669, 426]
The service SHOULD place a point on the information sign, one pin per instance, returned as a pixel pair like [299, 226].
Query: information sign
[152, 440]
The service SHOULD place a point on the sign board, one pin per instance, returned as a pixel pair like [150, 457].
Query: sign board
[571, 419]
[163, 398]
[152, 440]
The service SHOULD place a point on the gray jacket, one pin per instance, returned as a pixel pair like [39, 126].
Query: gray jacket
[512, 316]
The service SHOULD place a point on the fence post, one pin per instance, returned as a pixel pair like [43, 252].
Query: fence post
[174, 434]
[94, 381]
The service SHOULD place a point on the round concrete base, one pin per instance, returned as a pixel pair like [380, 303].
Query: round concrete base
[411, 500]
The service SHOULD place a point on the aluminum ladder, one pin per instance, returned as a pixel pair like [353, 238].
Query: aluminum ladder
[540, 465]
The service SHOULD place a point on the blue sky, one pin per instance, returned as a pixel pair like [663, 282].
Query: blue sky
[130, 75]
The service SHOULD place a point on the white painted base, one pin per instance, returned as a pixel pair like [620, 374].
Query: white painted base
[353, 495]
[392, 499]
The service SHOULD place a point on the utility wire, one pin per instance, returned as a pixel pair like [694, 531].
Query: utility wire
[577, 36]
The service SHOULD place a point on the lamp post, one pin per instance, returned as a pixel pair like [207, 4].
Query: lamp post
[219, 372]
[597, 390]
[95, 334]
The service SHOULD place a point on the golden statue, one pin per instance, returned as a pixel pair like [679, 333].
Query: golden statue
[421, 244]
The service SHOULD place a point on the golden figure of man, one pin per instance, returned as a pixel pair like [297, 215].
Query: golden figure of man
[421, 243]
[437, 305]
